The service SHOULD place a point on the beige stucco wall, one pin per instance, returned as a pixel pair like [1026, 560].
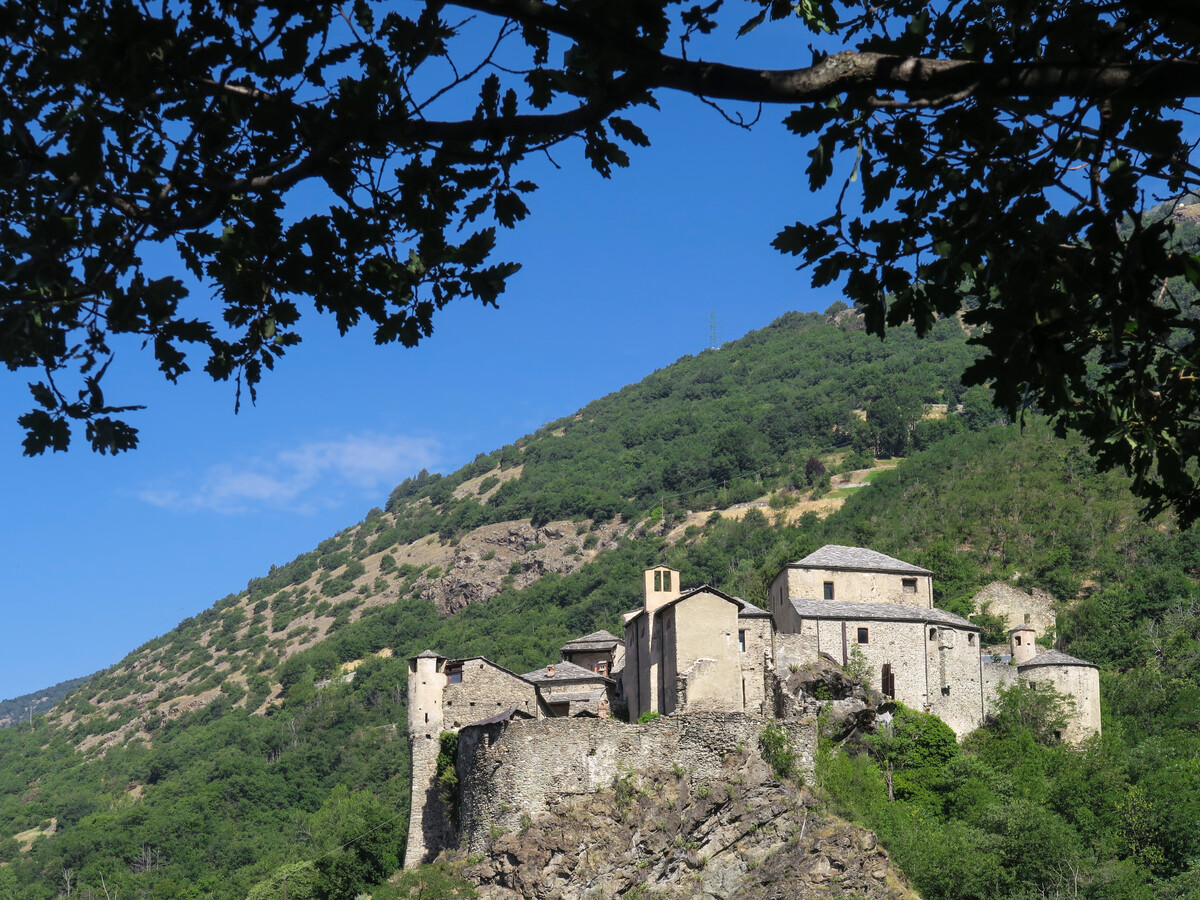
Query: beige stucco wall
[701, 665]
[1082, 685]
[859, 587]
[485, 690]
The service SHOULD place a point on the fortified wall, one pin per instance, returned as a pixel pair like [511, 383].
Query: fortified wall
[521, 767]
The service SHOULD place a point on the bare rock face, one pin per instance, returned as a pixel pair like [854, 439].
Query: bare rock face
[742, 836]
[849, 706]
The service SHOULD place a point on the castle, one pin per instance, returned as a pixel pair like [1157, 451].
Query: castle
[702, 656]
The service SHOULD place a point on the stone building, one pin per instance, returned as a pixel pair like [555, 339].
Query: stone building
[928, 659]
[601, 652]
[853, 575]
[693, 655]
[696, 651]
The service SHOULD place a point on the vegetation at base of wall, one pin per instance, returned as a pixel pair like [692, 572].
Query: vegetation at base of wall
[1014, 813]
[777, 750]
[648, 716]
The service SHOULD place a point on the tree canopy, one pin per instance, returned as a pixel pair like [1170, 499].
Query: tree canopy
[993, 158]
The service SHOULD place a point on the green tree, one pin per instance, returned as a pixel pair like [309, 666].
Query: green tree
[359, 839]
[993, 157]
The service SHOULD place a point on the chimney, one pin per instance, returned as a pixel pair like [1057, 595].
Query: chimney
[662, 586]
[550, 671]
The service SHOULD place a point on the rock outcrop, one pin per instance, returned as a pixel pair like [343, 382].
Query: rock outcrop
[743, 835]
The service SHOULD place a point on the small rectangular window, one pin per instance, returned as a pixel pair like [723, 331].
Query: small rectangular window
[742, 641]
[454, 673]
[1017, 640]
[666, 581]
[946, 691]
[863, 635]
[658, 581]
[909, 585]
[933, 634]
[829, 590]
[971, 640]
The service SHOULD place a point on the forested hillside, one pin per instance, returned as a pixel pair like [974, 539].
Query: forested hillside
[219, 756]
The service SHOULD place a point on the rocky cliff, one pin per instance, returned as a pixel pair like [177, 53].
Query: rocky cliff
[744, 835]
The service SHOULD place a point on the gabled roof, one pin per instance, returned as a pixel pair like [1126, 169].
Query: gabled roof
[1054, 658]
[597, 640]
[856, 559]
[892, 612]
[467, 659]
[429, 654]
[563, 672]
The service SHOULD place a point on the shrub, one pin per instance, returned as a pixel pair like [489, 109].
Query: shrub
[777, 750]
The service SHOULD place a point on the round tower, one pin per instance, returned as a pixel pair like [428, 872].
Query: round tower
[1074, 678]
[426, 679]
[1022, 644]
[426, 823]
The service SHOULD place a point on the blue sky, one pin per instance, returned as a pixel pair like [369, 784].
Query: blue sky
[619, 279]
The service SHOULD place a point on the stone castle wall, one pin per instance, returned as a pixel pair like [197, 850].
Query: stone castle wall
[519, 768]
[1016, 607]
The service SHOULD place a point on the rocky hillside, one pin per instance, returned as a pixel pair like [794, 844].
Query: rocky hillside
[664, 834]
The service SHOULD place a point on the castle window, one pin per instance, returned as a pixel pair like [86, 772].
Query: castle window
[658, 581]
[742, 641]
[666, 581]
[971, 640]
[946, 691]
[1026, 618]
[829, 590]
[863, 636]
[933, 634]
[909, 585]
[1017, 640]
[888, 686]
[454, 673]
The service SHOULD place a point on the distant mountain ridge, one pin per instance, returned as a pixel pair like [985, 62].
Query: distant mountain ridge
[20, 708]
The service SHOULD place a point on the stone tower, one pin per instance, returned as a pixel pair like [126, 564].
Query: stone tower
[1073, 678]
[1022, 644]
[429, 828]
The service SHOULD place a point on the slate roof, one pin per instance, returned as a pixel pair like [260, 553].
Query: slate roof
[429, 654]
[597, 640]
[563, 671]
[832, 556]
[1054, 658]
[894, 612]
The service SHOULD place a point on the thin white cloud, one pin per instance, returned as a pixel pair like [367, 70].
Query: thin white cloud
[301, 479]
